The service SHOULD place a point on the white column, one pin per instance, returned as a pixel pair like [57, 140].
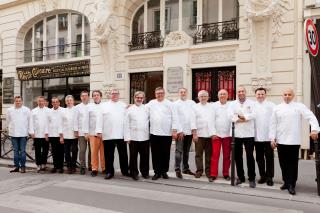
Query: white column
[145, 17]
[180, 14]
[33, 44]
[82, 37]
[199, 12]
[162, 18]
[44, 45]
[57, 37]
[220, 15]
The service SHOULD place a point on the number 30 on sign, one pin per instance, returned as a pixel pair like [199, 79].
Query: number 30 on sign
[311, 37]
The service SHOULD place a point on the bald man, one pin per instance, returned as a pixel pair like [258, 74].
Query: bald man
[285, 134]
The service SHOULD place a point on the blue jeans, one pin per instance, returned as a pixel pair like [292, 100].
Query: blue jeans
[19, 148]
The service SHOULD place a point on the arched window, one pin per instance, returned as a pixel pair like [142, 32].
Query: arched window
[59, 36]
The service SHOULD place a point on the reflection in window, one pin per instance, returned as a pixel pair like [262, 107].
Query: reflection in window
[51, 37]
[38, 41]
[229, 10]
[86, 36]
[138, 21]
[189, 16]
[28, 46]
[154, 12]
[62, 35]
[172, 15]
[32, 89]
[76, 35]
[210, 11]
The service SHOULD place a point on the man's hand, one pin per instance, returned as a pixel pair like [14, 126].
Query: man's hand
[274, 144]
[128, 142]
[174, 134]
[46, 137]
[32, 136]
[99, 135]
[76, 134]
[214, 137]
[195, 138]
[180, 136]
[61, 140]
[86, 136]
[314, 135]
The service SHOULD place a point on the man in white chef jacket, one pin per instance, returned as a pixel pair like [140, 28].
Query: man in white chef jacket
[110, 124]
[96, 144]
[285, 134]
[187, 121]
[55, 127]
[204, 119]
[241, 111]
[136, 134]
[17, 120]
[70, 141]
[163, 129]
[264, 151]
[221, 136]
[81, 111]
[38, 129]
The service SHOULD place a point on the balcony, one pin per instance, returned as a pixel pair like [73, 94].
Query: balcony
[218, 31]
[146, 40]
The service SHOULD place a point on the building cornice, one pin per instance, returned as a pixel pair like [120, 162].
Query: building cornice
[11, 3]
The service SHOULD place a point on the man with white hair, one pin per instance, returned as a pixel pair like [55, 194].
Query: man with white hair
[204, 122]
[241, 111]
[285, 134]
[187, 121]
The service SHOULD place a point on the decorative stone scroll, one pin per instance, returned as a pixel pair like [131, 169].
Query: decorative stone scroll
[145, 63]
[213, 57]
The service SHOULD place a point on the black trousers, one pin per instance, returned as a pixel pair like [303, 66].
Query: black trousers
[288, 159]
[57, 150]
[41, 147]
[71, 152]
[143, 148]
[109, 147]
[160, 149]
[249, 147]
[265, 159]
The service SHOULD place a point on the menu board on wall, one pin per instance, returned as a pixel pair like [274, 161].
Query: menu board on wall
[174, 79]
[8, 90]
[69, 69]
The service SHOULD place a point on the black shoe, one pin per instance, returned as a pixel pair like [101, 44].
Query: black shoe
[262, 180]
[284, 186]
[23, 170]
[239, 181]
[165, 176]
[156, 176]
[146, 176]
[198, 174]
[61, 171]
[227, 177]
[135, 177]
[269, 182]
[126, 174]
[82, 171]
[252, 184]
[70, 171]
[178, 174]
[16, 169]
[54, 170]
[108, 176]
[188, 172]
[94, 173]
[212, 178]
[89, 169]
[291, 190]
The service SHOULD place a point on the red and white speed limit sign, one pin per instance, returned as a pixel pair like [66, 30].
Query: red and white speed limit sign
[311, 37]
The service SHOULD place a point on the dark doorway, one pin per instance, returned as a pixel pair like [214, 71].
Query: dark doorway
[146, 82]
[212, 80]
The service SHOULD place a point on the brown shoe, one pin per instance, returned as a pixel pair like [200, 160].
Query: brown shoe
[198, 174]
[23, 170]
[178, 174]
[188, 172]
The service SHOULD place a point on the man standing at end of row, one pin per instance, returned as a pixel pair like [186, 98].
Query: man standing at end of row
[285, 134]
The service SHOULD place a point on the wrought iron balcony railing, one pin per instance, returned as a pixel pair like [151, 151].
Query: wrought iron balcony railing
[216, 31]
[146, 40]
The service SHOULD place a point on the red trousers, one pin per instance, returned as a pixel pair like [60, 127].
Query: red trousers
[226, 149]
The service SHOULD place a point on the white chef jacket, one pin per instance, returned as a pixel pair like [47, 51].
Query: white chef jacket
[55, 124]
[204, 119]
[286, 123]
[90, 122]
[39, 122]
[262, 120]
[136, 123]
[17, 120]
[163, 117]
[111, 122]
[246, 109]
[81, 111]
[186, 115]
[221, 125]
[68, 117]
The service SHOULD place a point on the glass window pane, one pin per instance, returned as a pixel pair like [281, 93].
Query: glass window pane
[138, 21]
[54, 84]
[153, 15]
[63, 35]
[28, 46]
[38, 41]
[172, 16]
[86, 36]
[31, 90]
[210, 11]
[76, 35]
[189, 16]
[78, 84]
[51, 37]
[229, 10]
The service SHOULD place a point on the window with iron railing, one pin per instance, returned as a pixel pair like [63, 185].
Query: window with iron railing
[60, 36]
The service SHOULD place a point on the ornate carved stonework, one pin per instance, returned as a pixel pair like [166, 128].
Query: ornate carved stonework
[177, 39]
[48, 5]
[261, 81]
[145, 63]
[258, 10]
[212, 57]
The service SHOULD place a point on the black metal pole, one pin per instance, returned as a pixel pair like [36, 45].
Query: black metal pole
[316, 151]
[232, 157]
